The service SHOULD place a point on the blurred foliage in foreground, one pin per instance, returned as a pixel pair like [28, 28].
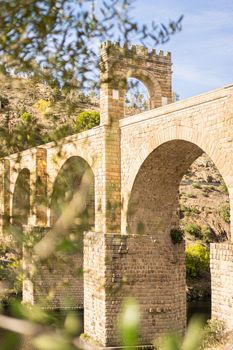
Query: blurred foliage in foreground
[48, 332]
[62, 36]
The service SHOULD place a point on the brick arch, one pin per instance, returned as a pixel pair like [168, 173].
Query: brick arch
[151, 83]
[165, 134]
[153, 210]
[162, 135]
[83, 152]
[68, 177]
[21, 198]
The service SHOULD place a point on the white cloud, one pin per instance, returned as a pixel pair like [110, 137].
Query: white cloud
[197, 77]
[210, 20]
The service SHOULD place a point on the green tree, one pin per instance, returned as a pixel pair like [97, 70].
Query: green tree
[197, 260]
[87, 120]
[62, 35]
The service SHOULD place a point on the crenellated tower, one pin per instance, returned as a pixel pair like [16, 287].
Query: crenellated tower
[117, 64]
[120, 63]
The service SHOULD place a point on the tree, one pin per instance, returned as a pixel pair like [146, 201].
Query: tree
[55, 40]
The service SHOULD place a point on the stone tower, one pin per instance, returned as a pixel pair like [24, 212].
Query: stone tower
[117, 64]
[120, 63]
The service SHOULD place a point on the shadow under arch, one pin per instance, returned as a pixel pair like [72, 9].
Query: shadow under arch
[183, 133]
[21, 199]
[153, 210]
[67, 183]
[67, 271]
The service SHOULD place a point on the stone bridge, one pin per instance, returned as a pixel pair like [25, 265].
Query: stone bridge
[137, 163]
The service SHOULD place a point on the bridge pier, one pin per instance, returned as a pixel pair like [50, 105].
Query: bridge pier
[221, 265]
[120, 266]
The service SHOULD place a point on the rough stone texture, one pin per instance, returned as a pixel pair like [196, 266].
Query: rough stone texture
[137, 163]
[221, 265]
[57, 282]
[41, 186]
[122, 266]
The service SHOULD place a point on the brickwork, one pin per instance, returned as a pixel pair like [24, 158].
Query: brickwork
[41, 187]
[133, 265]
[120, 63]
[137, 163]
[6, 195]
[21, 199]
[57, 282]
[221, 264]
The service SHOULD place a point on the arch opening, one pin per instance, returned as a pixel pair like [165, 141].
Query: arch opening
[154, 211]
[204, 215]
[21, 199]
[68, 184]
[137, 97]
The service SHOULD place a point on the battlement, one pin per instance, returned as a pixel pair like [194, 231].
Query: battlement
[131, 50]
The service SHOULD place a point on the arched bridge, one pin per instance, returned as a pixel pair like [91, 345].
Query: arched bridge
[137, 164]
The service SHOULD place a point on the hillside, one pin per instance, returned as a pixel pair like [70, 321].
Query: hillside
[204, 201]
[51, 111]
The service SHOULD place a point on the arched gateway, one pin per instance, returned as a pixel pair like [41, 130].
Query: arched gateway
[137, 164]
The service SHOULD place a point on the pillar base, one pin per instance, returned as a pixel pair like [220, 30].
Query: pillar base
[89, 345]
[221, 263]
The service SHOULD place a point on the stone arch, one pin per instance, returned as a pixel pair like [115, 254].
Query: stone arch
[164, 134]
[119, 63]
[67, 182]
[21, 199]
[65, 279]
[153, 210]
[151, 83]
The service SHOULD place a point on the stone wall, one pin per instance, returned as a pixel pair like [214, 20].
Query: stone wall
[119, 266]
[57, 282]
[221, 265]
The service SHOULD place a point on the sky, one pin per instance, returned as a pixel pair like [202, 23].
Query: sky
[202, 53]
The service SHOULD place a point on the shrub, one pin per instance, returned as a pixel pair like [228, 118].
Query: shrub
[193, 229]
[87, 120]
[223, 188]
[191, 195]
[177, 235]
[195, 210]
[213, 333]
[187, 211]
[60, 132]
[184, 210]
[26, 117]
[224, 212]
[209, 178]
[43, 107]
[3, 101]
[211, 187]
[197, 260]
[206, 233]
[196, 185]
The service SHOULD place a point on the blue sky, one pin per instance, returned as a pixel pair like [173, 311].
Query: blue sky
[202, 53]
